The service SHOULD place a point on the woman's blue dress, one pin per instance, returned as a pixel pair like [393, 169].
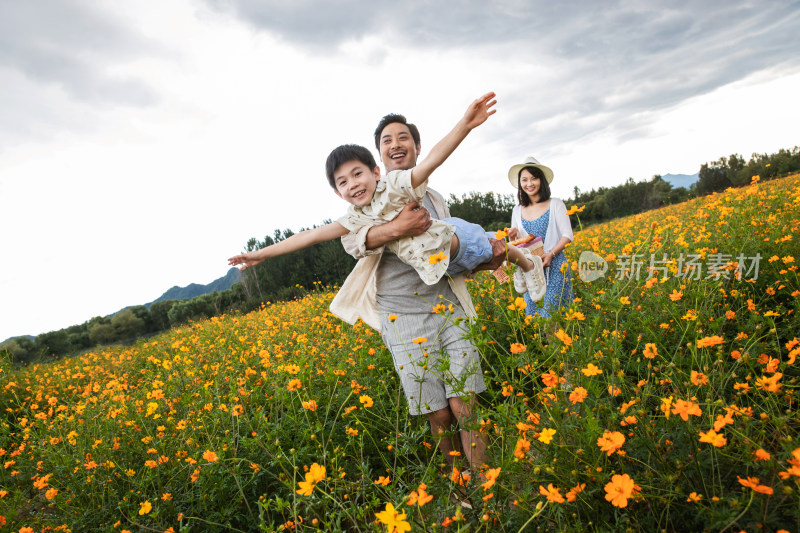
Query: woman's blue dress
[559, 286]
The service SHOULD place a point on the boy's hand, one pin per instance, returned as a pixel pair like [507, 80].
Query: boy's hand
[246, 260]
[480, 110]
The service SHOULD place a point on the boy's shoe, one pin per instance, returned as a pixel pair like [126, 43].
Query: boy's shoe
[534, 278]
[519, 281]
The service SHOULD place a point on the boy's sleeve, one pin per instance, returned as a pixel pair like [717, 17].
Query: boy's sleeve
[355, 244]
[398, 187]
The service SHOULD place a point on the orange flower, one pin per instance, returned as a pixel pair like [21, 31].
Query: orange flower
[523, 445]
[707, 342]
[572, 495]
[491, 476]
[753, 483]
[762, 455]
[383, 480]
[619, 490]
[624, 300]
[684, 409]
[437, 258]
[420, 496]
[698, 378]
[550, 379]
[694, 497]
[676, 295]
[650, 350]
[578, 395]
[419, 340]
[294, 384]
[563, 337]
[501, 234]
[553, 494]
[315, 474]
[611, 441]
[210, 456]
[770, 384]
[517, 348]
[311, 405]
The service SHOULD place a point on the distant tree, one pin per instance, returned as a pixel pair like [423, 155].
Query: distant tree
[127, 325]
[53, 343]
[158, 314]
[490, 210]
[713, 177]
[101, 331]
[21, 349]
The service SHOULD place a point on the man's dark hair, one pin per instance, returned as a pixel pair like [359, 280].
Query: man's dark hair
[391, 118]
[344, 153]
[544, 187]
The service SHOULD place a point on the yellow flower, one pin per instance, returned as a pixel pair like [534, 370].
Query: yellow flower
[145, 508]
[546, 435]
[393, 520]
[419, 340]
[365, 400]
[591, 370]
[712, 437]
[624, 300]
[392, 318]
[501, 234]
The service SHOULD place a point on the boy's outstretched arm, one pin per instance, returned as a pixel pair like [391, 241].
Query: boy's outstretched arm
[298, 241]
[477, 113]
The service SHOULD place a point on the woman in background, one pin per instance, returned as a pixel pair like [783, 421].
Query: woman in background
[540, 215]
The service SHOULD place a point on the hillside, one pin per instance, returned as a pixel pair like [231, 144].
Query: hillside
[195, 289]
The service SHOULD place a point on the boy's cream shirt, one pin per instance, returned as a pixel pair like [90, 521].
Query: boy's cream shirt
[357, 297]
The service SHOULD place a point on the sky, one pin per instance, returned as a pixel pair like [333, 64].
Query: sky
[143, 143]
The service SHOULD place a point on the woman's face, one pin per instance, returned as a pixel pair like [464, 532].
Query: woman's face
[530, 184]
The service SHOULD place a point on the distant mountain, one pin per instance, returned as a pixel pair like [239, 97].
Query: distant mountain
[681, 180]
[195, 289]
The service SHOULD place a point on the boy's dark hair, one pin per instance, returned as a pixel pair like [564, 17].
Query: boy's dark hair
[544, 187]
[391, 118]
[344, 153]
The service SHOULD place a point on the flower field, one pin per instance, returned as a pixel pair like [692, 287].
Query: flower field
[664, 399]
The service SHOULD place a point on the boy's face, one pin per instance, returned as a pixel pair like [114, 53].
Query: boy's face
[397, 148]
[355, 182]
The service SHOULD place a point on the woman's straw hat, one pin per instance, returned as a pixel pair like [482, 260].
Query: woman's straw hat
[530, 161]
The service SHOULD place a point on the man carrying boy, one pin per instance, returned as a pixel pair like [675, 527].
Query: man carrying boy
[404, 305]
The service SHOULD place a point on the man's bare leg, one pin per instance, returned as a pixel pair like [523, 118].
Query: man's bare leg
[441, 422]
[473, 442]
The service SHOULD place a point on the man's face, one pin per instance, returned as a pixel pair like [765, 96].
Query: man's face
[356, 182]
[397, 148]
